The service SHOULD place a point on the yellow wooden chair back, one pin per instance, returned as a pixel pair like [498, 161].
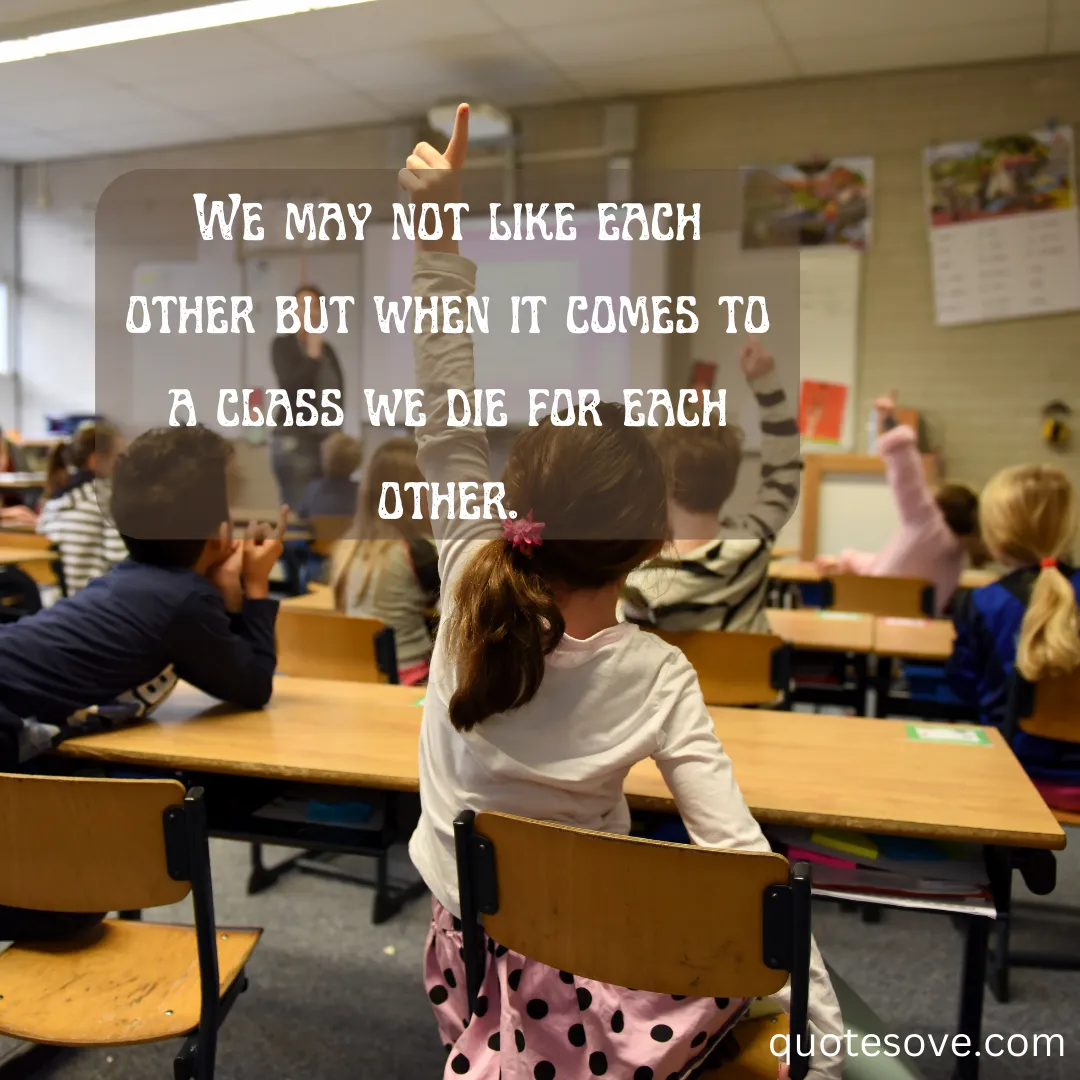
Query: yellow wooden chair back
[86, 845]
[734, 668]
[888, 597]
[327, 645]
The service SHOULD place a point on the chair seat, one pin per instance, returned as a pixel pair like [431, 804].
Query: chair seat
[755, 1060]
[124, 982]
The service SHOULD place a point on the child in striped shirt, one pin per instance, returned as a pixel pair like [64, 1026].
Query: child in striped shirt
[714, 576]
[73, 518]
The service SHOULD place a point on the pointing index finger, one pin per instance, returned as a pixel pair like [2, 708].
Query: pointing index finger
[283, 523]
[459, 140]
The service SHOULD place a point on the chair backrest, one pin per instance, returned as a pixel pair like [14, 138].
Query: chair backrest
[1049, 708]
[329, 645]
[82, 845]
[735, 668]
[19, 594]
[889, 597]
[44, 573]
[326, 530]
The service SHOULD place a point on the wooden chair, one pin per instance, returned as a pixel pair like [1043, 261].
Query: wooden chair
[328, 645]
[736, 668]
[84, 846]
[719, 923]
[1049, 709]
[43, 573]
[889, 597]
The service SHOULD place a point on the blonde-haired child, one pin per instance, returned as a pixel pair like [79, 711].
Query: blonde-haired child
[540, 701]
[387, 569]
[1027, 621]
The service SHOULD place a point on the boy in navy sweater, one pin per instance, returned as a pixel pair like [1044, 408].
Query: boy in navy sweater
[189, 603]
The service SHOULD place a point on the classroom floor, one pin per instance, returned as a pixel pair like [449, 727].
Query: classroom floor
[334, 998]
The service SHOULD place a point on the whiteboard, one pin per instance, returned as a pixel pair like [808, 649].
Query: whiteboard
[813, 297]
[202, 363]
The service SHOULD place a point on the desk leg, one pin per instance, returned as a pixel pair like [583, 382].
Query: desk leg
[883, 676]
[971, 994]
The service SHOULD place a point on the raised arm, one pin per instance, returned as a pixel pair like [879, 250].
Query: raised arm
[445, 361]
[898, 446]
[778, 491]
[700, 776]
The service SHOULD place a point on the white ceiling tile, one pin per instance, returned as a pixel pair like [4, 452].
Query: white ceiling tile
[168, 129]
[726, 28]
[43, 78]
[340, 111]
[817, 20]
[964, 45]
[368, 28]
[498, 67]
[562, 12]
[201, 52]
[16, 11]
[760, 64]
[22, 144]
[255, 86]
[92, 109]
[1065, 33]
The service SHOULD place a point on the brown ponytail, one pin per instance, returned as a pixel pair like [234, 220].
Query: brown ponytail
[1029, 517]
[601, 493]
[505, 623]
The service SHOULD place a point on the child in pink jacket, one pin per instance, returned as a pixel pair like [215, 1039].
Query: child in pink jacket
[939, 530]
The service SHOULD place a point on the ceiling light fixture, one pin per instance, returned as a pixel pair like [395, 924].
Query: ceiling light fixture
[161, 25]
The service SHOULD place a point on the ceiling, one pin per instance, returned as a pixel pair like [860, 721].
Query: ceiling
[390, 59]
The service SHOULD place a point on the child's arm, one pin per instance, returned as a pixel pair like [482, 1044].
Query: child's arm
[898, 446]
[229, 651]
[778, 491]
[700, 776]
[445, 361]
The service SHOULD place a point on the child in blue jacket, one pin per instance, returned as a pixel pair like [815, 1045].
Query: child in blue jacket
[1028, 619]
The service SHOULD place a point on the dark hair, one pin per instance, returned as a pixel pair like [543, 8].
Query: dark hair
[960, 507]
[96, 437]
[702, 464]
[170, 494]
[601, 493]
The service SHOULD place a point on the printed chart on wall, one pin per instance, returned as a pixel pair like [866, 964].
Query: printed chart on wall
[1004, 227]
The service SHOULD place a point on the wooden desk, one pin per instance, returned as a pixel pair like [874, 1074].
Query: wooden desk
[794, 769]
[822, 771]
[799, 572]
[808, 628]
[914, 639]
[318, 598]
[13, 556]
[21, 481]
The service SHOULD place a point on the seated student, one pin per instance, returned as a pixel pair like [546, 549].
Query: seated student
[939, 529]
[73, 518]
[13, 509]
[1028, 619]
[388, 569]
[190, 603]
[334, 493]
[718, 581]
[540, 702]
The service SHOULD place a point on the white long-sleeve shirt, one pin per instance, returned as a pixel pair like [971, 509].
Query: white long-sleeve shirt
[604, 704]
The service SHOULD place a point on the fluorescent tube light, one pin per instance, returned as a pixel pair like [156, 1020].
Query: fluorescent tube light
[164, 23]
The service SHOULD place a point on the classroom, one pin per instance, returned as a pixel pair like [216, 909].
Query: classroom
[503, 504]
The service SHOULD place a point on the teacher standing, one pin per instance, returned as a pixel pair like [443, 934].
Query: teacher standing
[302, 361]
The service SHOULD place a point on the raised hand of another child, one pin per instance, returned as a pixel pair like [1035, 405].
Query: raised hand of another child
[261, 549]
[432, 177]
[225, 577]
[827, 564]
[755, 360]
[886, 405]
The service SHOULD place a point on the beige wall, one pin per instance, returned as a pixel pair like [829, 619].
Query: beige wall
[980, 388]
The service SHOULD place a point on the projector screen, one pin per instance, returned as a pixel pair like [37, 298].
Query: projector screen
[516, 363]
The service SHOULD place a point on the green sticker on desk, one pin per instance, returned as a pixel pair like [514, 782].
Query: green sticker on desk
[420, 701]
[947, 733]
